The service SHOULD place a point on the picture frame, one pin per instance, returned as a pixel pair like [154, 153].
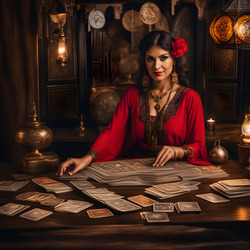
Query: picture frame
[221, 101]
[221, 63]
[62, 101]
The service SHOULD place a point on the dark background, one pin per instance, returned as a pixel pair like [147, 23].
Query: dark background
[28, 71]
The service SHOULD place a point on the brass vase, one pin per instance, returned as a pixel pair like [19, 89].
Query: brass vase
[218, 155]
[32, 137]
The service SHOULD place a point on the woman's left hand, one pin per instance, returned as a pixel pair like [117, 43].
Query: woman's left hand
[167, 153]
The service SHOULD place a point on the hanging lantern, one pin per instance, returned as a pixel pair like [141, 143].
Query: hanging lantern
[230, 29]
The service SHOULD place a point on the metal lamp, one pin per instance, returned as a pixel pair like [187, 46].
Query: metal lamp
[244, 145]
[230, 29]
[62, 54]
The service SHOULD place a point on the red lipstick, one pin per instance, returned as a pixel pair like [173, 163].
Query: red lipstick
[158, 73]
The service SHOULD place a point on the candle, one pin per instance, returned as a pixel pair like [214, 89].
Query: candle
[210, 124]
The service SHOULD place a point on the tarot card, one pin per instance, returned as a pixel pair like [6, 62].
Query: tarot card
[25, 196]
[12, 209]
[12, 185]
[52, 202]
[103, 197]
[142, 200]
[236, 182]
[99, 191]
[44, 181]
[211, 197]
[36, 214]
[75, 177]
[40, 196]
[153, 217]
[99, 213]
[188, 206]
[82, 185]
[122, 205]
[163, 207]
[72, 206]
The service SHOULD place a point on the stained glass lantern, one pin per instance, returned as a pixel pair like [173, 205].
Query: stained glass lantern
[230, 29]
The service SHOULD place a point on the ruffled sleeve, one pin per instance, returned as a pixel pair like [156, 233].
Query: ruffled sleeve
[115, 139]
[195, 136]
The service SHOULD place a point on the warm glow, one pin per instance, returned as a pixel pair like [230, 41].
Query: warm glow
[62, 56]
[61, 50]
[210, 120]
[231, 27]
[242, 213]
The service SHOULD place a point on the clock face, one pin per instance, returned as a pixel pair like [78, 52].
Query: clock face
[96, 19]
[131, 20]
[150, 13]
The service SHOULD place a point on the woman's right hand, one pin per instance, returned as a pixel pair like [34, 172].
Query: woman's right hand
[75, 164]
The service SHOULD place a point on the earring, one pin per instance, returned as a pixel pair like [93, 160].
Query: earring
[174, 75]
[145, 81]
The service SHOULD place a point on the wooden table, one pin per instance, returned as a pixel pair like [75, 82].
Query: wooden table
[223, 225]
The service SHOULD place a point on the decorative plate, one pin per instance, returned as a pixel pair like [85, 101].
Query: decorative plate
[131, 20]
[96, 19]
[150, 13]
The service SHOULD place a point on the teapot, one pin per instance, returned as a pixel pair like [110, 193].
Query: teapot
[218, 155]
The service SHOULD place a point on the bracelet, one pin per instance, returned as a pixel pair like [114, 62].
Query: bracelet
[186, 150]
[174, 152]
[94, 154]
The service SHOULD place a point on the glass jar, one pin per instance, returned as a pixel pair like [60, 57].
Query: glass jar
[245, 131]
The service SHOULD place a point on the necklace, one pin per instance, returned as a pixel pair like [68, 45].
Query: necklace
[157, 98]
[155, 129]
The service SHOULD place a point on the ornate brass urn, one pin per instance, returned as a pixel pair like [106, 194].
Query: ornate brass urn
[32, 137]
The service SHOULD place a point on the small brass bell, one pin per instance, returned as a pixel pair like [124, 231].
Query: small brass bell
[218, 155]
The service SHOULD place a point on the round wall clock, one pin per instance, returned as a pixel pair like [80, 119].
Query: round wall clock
[96, 19]
[150, 13]
[131, 20]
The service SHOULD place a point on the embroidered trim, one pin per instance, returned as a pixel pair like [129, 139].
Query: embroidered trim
[170, 112]
[191, 152]
[93, 153]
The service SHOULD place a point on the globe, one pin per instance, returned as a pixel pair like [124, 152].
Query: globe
[102, 104]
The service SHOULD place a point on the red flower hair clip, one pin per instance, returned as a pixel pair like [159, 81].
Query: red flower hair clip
[179, 47]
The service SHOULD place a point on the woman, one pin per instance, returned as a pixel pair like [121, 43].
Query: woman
[160, 117]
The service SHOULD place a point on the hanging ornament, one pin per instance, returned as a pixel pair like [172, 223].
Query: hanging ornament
[150, 13]
[96, 19]
[131, 20]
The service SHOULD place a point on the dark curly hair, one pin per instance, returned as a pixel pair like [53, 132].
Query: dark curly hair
[164, 40]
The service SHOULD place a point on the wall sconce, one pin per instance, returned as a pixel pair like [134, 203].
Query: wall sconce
[62, 53]
[244, 145]
[230, 29]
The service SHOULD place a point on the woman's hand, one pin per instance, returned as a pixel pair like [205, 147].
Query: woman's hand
[75, 164]
[167, 153]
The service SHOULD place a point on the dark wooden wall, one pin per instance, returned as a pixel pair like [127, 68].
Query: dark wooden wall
[220, 76]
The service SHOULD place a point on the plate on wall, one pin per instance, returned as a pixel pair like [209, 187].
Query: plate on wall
[96, 19]
[131, 20]
[150, 13]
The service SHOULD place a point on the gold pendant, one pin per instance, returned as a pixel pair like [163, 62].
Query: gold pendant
[157, 107]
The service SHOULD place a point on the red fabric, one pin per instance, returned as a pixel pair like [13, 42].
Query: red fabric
[126, 128]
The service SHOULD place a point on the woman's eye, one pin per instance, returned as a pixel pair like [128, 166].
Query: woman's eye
[163, 58]
[149, 59]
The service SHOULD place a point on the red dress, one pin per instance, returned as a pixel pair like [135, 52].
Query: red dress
[183, 125]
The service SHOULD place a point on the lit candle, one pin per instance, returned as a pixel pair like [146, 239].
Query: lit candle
[210, 124]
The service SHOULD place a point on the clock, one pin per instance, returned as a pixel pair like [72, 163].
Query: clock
[131, 20]
[96, 19]
[150, 13]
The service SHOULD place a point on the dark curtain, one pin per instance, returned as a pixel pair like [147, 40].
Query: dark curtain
[18, 84]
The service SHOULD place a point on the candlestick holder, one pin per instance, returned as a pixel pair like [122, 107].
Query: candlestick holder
[210, 124]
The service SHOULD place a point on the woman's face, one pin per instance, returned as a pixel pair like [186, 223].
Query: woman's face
[159, 63]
